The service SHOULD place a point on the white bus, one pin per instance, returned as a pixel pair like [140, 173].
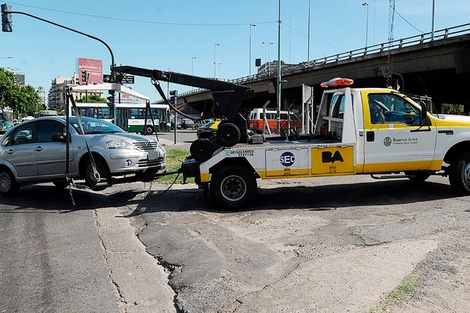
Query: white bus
[129, 116]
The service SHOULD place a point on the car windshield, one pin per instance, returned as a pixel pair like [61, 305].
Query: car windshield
[95, 126]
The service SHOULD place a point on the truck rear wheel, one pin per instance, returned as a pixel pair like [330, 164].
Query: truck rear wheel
[233, 186]
[459, 174]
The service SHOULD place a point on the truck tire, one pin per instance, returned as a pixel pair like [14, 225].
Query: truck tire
[459, 174]
[201, 149]
[8, 184]
[228, 134]
[233, 186]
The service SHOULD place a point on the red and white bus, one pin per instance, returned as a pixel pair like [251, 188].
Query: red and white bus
[257, 120]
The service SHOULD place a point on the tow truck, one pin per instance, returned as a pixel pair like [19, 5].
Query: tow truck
[376, 131]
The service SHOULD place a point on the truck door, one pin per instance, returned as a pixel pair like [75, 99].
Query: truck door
[394, 139]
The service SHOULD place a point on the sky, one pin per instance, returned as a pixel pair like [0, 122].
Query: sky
[209, 38]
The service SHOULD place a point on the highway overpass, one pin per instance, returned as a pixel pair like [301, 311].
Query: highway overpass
[433, 64]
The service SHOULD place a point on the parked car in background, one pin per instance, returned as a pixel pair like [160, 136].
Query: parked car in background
[208, 129]
[5, 126]
[27, 118]
[35, 151]
[187, 123]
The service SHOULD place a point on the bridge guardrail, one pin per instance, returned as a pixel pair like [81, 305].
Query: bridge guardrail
[423, 38]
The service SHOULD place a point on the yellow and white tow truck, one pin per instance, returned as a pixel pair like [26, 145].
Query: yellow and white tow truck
[375, 131]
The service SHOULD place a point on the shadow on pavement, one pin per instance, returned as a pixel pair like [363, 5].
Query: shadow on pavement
[317, 198]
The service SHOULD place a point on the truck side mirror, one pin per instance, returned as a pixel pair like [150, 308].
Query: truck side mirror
[423, 114]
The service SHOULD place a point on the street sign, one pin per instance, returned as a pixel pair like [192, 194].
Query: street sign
[127, 79]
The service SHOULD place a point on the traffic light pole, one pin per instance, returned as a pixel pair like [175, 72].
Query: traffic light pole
[7, 22]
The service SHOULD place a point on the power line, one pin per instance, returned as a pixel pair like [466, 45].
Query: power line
[407, 21]
[140, 21]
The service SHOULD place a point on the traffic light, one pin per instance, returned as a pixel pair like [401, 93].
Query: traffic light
[84, 77]
[375, 71]
[173, 96]
[6, 18]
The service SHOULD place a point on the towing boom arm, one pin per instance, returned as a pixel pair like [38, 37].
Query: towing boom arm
[228, 97]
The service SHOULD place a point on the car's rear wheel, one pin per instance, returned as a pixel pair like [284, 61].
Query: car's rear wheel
[97, 183]
[8, 184]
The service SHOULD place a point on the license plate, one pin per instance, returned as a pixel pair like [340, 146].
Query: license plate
[152, 156]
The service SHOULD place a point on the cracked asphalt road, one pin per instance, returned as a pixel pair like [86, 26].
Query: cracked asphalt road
[318, 245]
[313, 245]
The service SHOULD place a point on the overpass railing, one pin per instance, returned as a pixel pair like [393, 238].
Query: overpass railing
[421, 39]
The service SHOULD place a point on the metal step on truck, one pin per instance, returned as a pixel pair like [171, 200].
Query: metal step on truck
[375, 131]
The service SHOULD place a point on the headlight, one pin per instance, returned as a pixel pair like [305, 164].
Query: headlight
[118, 144]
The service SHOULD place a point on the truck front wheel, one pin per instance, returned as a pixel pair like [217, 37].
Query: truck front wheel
[459, 174]
[233, 186]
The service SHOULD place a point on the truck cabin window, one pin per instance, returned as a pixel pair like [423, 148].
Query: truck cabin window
[337, 106]
[390, 108]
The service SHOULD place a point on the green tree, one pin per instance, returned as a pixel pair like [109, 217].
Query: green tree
[92, 99]
[22, 100]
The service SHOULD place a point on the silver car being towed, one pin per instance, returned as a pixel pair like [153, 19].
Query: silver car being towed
[35, 151]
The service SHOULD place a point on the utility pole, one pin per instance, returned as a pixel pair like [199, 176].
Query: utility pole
[279, 70]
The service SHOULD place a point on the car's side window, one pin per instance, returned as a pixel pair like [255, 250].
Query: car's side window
[23, 134]
[46, 129]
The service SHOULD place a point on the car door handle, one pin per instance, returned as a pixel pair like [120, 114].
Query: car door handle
[38, 149]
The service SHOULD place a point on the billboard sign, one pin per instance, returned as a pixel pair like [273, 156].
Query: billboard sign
[90, 71]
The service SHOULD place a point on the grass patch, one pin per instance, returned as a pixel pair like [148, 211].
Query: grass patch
[174, 158]
[406, 288]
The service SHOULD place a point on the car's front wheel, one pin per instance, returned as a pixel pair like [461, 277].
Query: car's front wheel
[99, 182]
[8, 184]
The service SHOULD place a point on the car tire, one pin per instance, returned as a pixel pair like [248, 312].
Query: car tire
[459, 174]
[233, 186]
[8, 184]
[103, 172]
[228, 134]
